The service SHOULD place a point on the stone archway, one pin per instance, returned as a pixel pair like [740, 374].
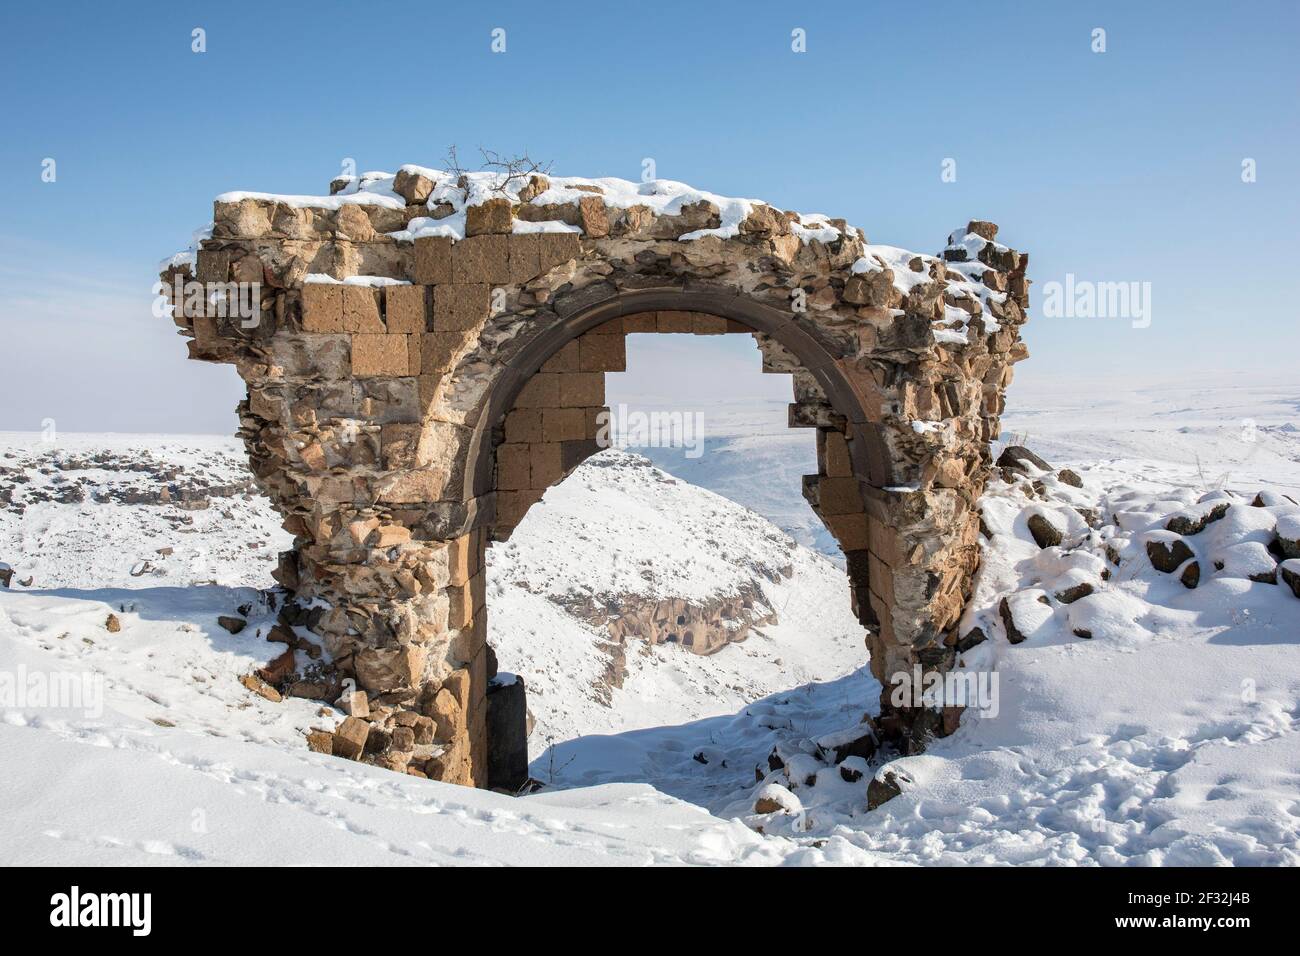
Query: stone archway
[400, 384]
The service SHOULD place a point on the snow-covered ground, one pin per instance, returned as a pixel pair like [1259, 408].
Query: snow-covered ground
[1167, 737]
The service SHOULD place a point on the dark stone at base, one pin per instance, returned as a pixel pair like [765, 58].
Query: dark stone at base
[507, 735]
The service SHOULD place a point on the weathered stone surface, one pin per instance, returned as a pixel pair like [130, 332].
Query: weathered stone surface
[401, 424]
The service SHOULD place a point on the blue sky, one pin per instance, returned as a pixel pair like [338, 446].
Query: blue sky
[1115, 166]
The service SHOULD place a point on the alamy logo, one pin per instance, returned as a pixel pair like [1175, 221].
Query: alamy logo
[1083, 299]
[970, 689]
[213, 300]
[621, 428]
[74, 909]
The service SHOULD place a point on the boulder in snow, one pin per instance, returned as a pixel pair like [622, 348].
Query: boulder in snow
[1015, 457]
[1168, 553]
[774, 798]
[889, 782]
[1046, 534]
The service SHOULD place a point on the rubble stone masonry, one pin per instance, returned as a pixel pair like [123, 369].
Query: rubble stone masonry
[412, 394]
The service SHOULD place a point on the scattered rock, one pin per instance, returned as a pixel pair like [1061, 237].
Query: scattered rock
[888, 783]
[1191, 575]
[1068, 477]
[261, 688]
[354, 703]
[232, 624]
[1195, 524]
[112, 624]
[6, 575]
[1290, 572]
[775, 798]
[1288, 535]
[1083, 632]
[1168, 555]
[974, 637]
[1015, 457]
[1013, 632]
[1045, 533]
[1090, 516]
[412, 186]
[350, 738]
[280, 668]
[1070, 595]
[857, 741]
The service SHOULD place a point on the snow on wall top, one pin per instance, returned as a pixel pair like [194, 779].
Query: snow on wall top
[461, 190]
[544, 203]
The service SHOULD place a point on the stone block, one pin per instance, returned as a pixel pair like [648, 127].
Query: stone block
[565, 360]
[641, 322]
[350, 738]
[546, 463]
[399, 445]
[462, 558]
[457, 308]
[525, 257]
[439, 350]
[507, 735]
[581, 389]
[413, 487]
[406, 308]
[839, 496]
[672, 321]
[554, 248]
[594, 216]
[381, 669]
[460, 608]
[361, 309]
[433, 260]
[481, 260]
[524, 425]
[212, 265]
[513, 505]
[574, 453]
[602, 353]
[850, 530]
[491, 217]
[835, 454]
[565, 424]
[706, 324]
[380, 354]
[322, 307]
[513, 467]
[541, 391]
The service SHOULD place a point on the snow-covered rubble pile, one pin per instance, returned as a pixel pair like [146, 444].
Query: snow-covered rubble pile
[1126, 563]
[116, 511]
[1138, 634]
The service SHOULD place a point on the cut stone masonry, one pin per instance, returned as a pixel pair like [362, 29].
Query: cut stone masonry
[426, 364]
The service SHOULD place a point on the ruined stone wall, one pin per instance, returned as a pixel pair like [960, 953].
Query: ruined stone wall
[412, 393]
